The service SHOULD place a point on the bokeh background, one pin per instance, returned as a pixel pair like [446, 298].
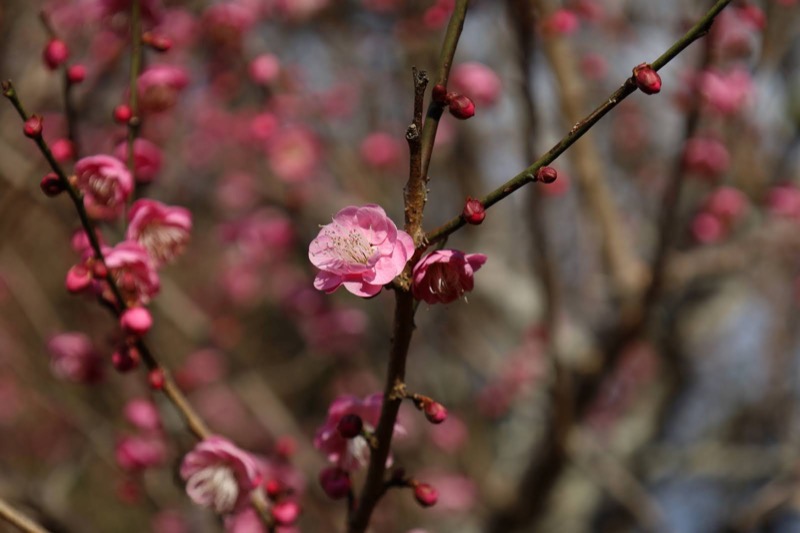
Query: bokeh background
[295, 109]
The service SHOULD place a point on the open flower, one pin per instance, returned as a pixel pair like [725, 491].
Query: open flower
[350, 454]
[74, 358]
[105, 184]
[219, 475]
[161, 229]
[133, 271]
[159, 87]
[361, 249]
[444, 276]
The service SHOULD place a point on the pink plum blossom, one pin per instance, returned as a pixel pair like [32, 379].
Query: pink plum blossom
[361, 249]
[381, 150]
[444, 276]
[726, 93]
[219, 475]
[264, 69]
[300, 10]
[74, 358]
[477, 81]
[106, 185]
[706, 156]
[159, 87]
[160, 229]
[135, 453]
[143, 414]
[294, 154]
[133, 271]
[784, 201]
[349, 454]
[561, 22]
[225, 23]
[146, 159]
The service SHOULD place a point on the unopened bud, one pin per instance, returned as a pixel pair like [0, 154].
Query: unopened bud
[435, 412]
[125, 359]
[51, 185]
[79, 277]
[350, 426]
[33, 127]
[425, 494]
[136, 321]
[335, 482]
[122, 113]
[460, 106]
[159, 43]
[547, 175]
[439, 94]
[285, 512]
[273, 488]
[55, 54]
[62, 150]
[474, 212]
[647, 79]
[155, 378]
[76, 73]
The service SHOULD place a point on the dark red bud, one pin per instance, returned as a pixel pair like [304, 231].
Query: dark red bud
[55, 54]
[426, 495]
[122, 114]
[99, 270]
[273, 488]
[439, 94]
[474, 212]
[547, 175]
[155, 378]
[125, 359]
[76, 73]
[435, 412]
[350, 426]
[159, 43]
[335, 482]
[33, 127]
[51, 185]
[647, 79]
[460, 106]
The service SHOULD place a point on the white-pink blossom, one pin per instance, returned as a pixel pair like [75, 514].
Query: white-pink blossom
[161, 229]
[361, 249]
[106, 185]
[219, 475]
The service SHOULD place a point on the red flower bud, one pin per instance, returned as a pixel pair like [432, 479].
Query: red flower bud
[122, 114]
[350, 426]
[647, 79]
[125, 359]
[99, 270]
[426, 495]
[335, 482]
[474, 212]
[439, 94]
[285, 512]
[273, 488]
[435, 412]
[155, 378]
[55, 53]
[547, 175]
[76, 73]
[136, 321]
[33, 127]
[79, 277]
[159, 43]
[460, 106]
[51, 185]
[62, 150]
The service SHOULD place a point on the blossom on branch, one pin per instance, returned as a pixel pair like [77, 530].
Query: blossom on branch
[444, 276]
[161, 229]
[133, 272]
[106, 185]
[361, 249]
[219, 475]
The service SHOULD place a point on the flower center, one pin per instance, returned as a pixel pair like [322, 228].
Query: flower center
[216, 485]
[103, 189]
[163, 242]
[350, 245]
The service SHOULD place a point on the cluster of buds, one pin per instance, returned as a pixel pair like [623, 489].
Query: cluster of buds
[459, 105]
[284, 510]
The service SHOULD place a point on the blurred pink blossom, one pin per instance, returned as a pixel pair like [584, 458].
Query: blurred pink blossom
[74, 358]
[361, 249]
[225, 23]
[146, 159]
[219, 475]
[106, 185]
[133, 271]
[143, 414]
[784, 201]
[706, 157]
[444, 276]
[561, 22]
[159, 87]
[707, 228]
[294, 154]
[300, 10]
[349, 454]
[161, 229]
[335, 331]
[725, 93]
[381, 150]
[134, 453]
[477, 81]
[264, 69]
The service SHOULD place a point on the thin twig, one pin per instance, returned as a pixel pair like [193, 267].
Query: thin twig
[16, 518]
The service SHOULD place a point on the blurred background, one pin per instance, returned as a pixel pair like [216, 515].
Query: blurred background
[591, 385]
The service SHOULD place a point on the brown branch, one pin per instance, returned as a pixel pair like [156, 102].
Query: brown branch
[19, 520]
